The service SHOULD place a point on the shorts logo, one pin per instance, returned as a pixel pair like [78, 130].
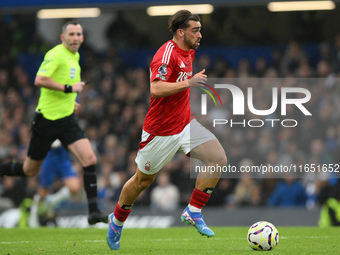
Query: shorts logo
[72, 72]
[147, 166]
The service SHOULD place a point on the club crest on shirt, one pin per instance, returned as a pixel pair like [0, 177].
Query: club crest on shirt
[72, 72]
[147, 166]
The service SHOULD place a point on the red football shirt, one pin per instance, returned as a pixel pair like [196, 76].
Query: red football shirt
[169, 115]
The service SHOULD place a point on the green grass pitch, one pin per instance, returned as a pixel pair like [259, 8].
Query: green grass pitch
[176, 240]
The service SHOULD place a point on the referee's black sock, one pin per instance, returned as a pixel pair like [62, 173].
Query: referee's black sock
[90, 186]
[12, 168]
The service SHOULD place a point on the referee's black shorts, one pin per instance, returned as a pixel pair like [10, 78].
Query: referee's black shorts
[44, 132]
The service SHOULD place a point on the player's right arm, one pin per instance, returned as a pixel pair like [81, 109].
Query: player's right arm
[160, 88]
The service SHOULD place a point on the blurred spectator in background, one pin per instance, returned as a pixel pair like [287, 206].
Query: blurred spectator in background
[15, 189]
[336, 53]
[223, 195]
[247, 191]
[288, 193]
[260, 67]
[165, 195]
[291, 59]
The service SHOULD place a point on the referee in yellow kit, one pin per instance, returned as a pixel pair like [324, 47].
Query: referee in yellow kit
[59, 80]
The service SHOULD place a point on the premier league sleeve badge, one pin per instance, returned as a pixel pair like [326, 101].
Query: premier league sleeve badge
[162, 71]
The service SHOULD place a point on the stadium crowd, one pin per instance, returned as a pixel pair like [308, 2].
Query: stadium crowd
[115, 101]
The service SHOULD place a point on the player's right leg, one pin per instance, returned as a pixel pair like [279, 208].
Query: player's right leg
[130, 192]
[29, 168]
[154, 153]
[12, 168]
[40, 143]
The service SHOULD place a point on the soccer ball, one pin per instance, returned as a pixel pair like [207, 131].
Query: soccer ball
[263, 236]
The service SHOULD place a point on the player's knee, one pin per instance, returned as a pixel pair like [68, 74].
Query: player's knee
[75, 188]
[223, 160]
[220, 159]
[31, 168]
[74, 184]
[89, 160]
[30, 172]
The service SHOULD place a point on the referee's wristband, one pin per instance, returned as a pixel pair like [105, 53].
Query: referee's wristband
[68, 88]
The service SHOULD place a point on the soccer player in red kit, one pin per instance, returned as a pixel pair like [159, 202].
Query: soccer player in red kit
[169, 127]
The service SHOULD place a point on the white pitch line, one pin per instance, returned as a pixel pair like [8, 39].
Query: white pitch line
[86, 241]
[169, 239]
[27, 242]
[241, 238]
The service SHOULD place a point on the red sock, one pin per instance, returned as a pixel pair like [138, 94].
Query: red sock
[120, 213]
[199, 198]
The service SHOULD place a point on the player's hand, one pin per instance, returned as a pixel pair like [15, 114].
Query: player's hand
[76, 106]
[198, 79]
[78, 87]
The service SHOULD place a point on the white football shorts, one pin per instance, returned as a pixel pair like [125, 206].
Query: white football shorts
[156, 151]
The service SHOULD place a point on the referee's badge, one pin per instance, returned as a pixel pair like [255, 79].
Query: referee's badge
[72, 72]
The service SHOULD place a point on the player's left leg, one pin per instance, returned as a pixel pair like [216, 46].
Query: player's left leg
[73, 184]
[59, 164]
[212, 154]
[205, 147]
[83, 151]
[41, 140]
[70, 189]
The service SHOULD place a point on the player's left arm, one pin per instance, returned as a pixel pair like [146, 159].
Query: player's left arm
[160, 88]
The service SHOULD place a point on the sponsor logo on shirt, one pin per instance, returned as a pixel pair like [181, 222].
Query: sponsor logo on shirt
[182, 76]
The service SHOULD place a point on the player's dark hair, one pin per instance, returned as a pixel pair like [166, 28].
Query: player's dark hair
[71, 22]
[180, 20]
